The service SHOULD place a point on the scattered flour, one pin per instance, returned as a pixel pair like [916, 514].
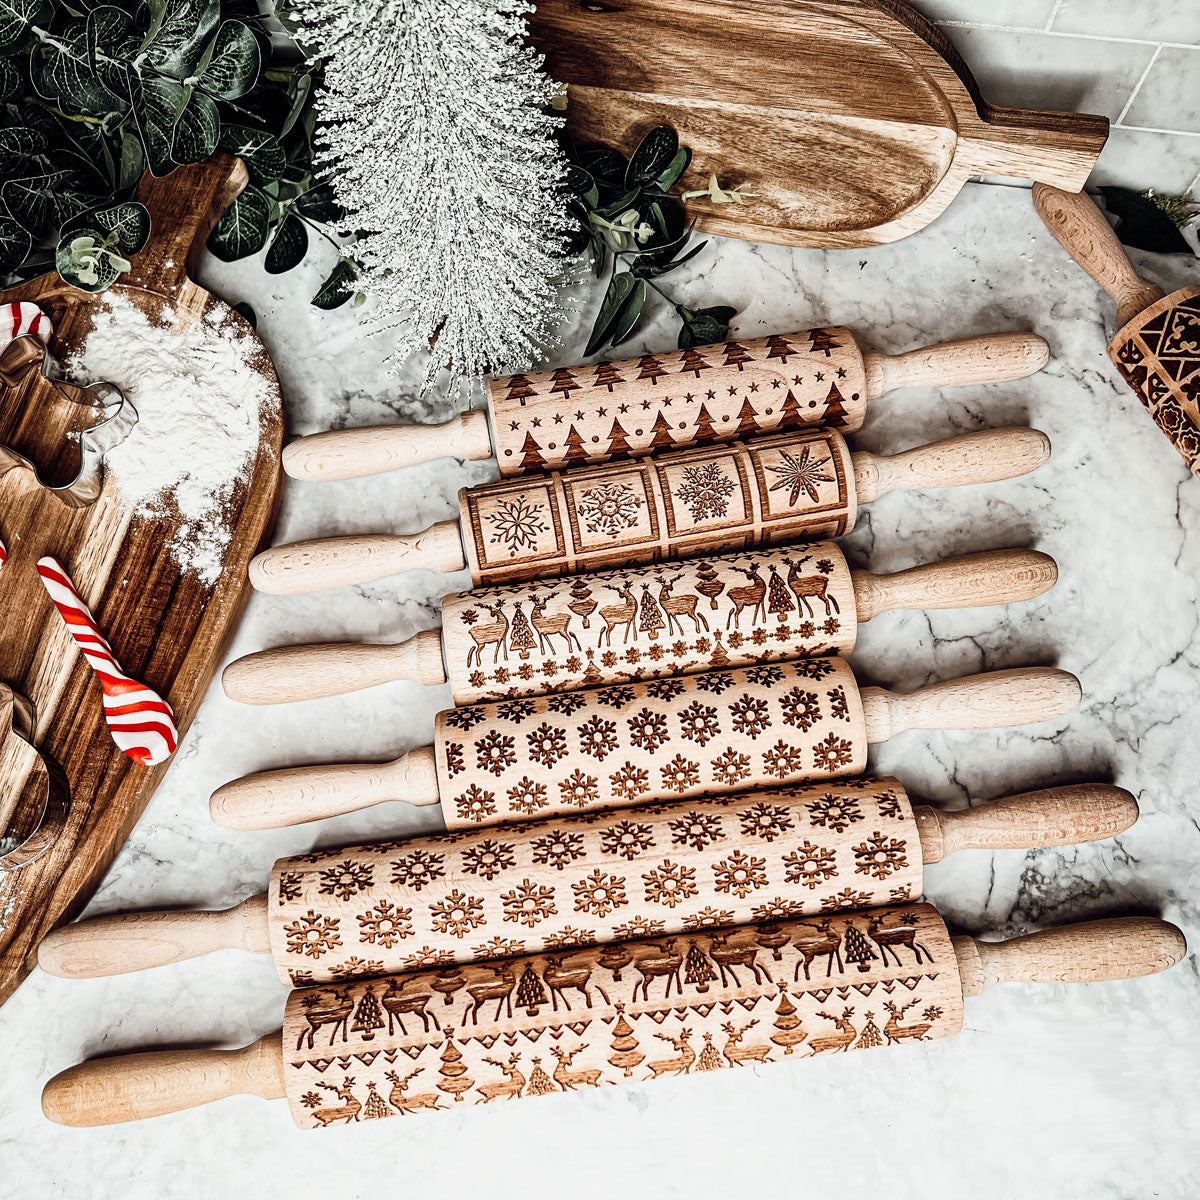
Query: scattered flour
[198, 402]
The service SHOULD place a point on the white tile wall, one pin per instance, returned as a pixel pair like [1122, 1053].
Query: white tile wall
[1135, 61]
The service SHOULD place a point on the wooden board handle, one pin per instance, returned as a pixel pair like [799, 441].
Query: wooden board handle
[968, 581]
[131, 1087]
[983, 359]
[325, 563]
[984, 457]
[353, 453]
[125, 942]
[1084, 232]
[1091, 952]
[290, 673]
[1061, 816]
[293, 795]
[1023, 696]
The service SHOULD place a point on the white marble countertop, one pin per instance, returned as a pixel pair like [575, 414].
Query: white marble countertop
[1051, 1090]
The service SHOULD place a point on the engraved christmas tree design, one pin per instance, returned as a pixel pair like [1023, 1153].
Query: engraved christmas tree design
[822, 340]
[651, 369]
[856, 949]
[788, 1032]
[455, 1079]
[606, 375]
[531, 458]
[519, 388]
[735, 354]
[564, 382]
[779, 347]
[624, 1044]
[367, 1017]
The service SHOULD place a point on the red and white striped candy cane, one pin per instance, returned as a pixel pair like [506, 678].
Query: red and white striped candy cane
[19, 318]
[3, 555]
[140, 720]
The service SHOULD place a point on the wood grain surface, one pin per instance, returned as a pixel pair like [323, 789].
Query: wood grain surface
[854, 123]
[166, 627]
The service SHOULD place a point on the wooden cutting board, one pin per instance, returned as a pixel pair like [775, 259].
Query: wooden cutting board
[855, 122]
[168, 629]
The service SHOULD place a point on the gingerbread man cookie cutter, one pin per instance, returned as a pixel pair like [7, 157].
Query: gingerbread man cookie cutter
[28, 353]
[17, 722]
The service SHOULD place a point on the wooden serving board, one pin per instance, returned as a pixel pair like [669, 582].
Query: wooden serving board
[855, 123]
[167, 628]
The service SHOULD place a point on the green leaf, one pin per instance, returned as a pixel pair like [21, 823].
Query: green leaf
[19, 145]
[705, 326]
[654, 269]
[11, 82]
[62, 71]
[110, 34]
[175, 41]
[676, 167]
[156, 104]
[234, 64]
[247, 312]
[629, 315]
[655, 153]
[262, 152]
[289, 246]
[132, 161]
[1143, 225]
[620, 287]
[70, 200]
[318, 204]
[30, 199]
[336, 289]
[197, 129]
[85, 262]
[605, 166]
[299, 88]
[15, 242]
[128, 222]
[16, 17]
[243, 226]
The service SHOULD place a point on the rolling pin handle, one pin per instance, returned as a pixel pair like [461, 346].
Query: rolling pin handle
[354, 453]
[987, 456]
[1089, 952]
[124, 942]
[985, 359]
[324, 563]
[132, 1087]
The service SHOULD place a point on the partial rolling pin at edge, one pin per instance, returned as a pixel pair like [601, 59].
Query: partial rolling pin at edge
[621, 1039]
[472, 651]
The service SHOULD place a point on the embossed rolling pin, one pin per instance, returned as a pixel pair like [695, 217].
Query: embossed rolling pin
[366, 910]
[625, 1013]
[609, 410]
[617, 626]
[710, 500]
[667, 739]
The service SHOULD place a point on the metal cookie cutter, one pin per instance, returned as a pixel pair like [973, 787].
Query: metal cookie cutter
[28, 353]
[18, 751]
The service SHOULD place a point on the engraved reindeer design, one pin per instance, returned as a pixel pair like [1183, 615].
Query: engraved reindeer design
[889, 937]
[727, 957]
[832, 1042]
[664, 964]
[822, 939]
[567, 1079]
[736, 1053]
[347, 1111]
[675, 608]
[399, 1098]
[559, 979]
[751, 596]
[615, 615]
[546, 628]
[806, 587]
[395, 1003]
[499, 989]
[494, 633]
[895, 1032]
[674, 1066]
[322, 1009]
[509, 1088]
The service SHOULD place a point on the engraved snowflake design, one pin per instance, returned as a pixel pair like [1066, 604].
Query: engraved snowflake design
[418, 869]
[696, 829]
[454, 758]
[289, 886]
[765, 676]
[740, 874]
[465, 718]
[517, 524]
[579, 789]
[778, 909]
[813, 668]
[516, 710]
[527, 797]
[705, 490]
[680, 774]
[750, 715]
[698, 723]
[498, 947]
[801, 709]
[730, 766]
[839, 710]
[355, 968]
[528, 903]
[457, 914]
[667, 689]
[488, 858]
[599, 893]
[879, 856]
[832, 754]
[547, 744]
[629, 782]
[566, 703]
[427, 956]
[615, 697]
[648, 730]
[709, 918]
[346, 879]
[598, 737]
[830, 626]
[800, 474]
[385, 924]
[312, 935]
[670, 884]
[640, 927]
[716, 682]
[846, 898]
[783, 761]
[627, 839]
[495, 752]
[765, 820]
[609, 508]
[475, 804]
[568, 936]
[889, 803]
[834, 812]
[558, 848]
[810, 865]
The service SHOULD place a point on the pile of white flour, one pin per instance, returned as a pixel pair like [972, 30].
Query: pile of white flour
[198, 404]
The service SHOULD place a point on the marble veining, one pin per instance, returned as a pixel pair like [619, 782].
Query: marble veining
[1050, 1091]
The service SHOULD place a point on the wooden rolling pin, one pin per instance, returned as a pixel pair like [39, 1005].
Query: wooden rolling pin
[341, 913]
[723, 731]
[617, 626]
[601, 411]
[710, 500]
[624, 1013]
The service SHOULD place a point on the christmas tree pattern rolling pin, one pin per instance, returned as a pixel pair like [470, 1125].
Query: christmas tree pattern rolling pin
[626, 1013]
[723, 731]
[610, 410]
[618, 626]
[549, 886]
[710, 500]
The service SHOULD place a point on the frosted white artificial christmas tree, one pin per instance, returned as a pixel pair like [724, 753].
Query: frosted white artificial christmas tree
[438, 142]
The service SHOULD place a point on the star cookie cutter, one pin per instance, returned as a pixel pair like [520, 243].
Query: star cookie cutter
[17, 749]
[28, 353]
